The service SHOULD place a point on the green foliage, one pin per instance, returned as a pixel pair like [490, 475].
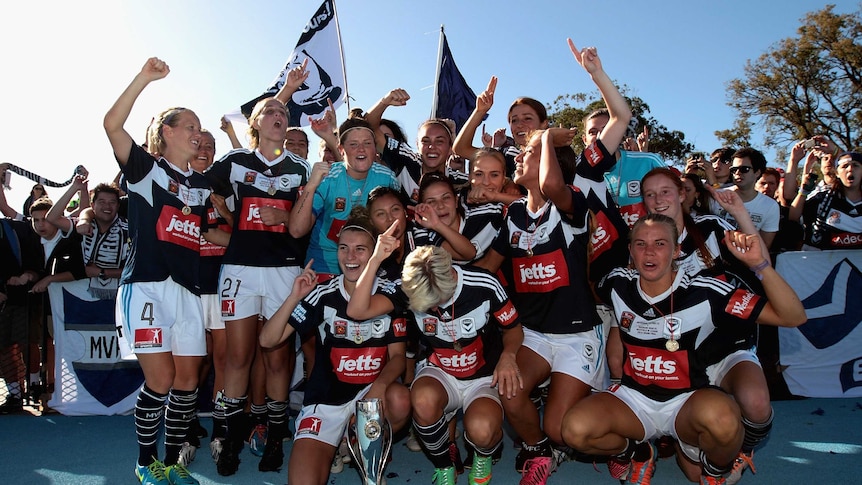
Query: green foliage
[806, 85]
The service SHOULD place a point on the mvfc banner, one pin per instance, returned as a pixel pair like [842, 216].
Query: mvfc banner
[823, 357]
[91, 377]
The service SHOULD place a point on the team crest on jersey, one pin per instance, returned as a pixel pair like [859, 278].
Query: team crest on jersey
[309, 425]
[250, 177]
[284, 182]
[633, 188]
[516, 238]
[340, 204]
[340, 328]
[415, 195]
[589, 352]
[834, 218]
[429, 326]
[173, 187]
[626, 320]
[378, 329]
[148, 338]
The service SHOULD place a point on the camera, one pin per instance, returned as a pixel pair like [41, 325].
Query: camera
[809, 143]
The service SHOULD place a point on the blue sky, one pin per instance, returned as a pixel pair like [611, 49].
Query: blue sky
[66, 62]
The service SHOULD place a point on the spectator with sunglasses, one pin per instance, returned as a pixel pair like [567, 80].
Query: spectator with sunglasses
[717, 171]
[745, 170]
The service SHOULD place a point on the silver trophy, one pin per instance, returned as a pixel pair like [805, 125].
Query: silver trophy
[370, 441]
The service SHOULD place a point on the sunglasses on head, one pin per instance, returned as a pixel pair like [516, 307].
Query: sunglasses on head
[743, 169]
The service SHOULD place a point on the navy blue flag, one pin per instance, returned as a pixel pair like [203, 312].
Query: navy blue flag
[455, 100]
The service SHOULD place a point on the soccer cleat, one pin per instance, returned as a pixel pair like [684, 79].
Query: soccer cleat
[708, 480]
[179, 475]
[228, 460]
[480, 470]
[444, 476]
[257, 439]
[537, 470]
[12, 405]
[642, 471]
[187, 454]
[337, 463]
[152, 474]
[216, 446]
[273, 457]
[468, 458]
[743, 461]
[412, 443]
[619, 467]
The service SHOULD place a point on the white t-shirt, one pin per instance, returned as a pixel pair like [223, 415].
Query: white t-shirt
[763, 210]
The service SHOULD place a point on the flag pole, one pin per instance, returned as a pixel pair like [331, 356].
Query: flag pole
[341, 51]
[437, 74]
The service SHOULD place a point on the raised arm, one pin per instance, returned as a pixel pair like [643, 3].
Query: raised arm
[276, 330]
[363, 303]
[325, 127]
[57, 213]
[293, 81]
[121, 142]
[620, 112]
[464, 141]
[551, 181]
[227, 127]
[302, 215]
[784, 308]
[396, 97]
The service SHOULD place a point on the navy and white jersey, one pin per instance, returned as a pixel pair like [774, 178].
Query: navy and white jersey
[480, 225]
[407, 166]
[212, 254]
[545, 266]
[609, 238]
[350, 354]
[699, 313]
[474, 318]
[832, 222]
[165, 242]
[249, 177]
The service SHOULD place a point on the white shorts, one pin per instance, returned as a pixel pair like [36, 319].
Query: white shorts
[716, 372]
[246, 291]
[580, 355]
[460, 393]
[326, 423]
[159, 316]
[212, 312]
[657, 417]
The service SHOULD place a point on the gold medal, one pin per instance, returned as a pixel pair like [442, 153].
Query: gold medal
[457, 346]
[186, 210]
[357, 339]
[271, 190]
[529, 252]
[671, 345]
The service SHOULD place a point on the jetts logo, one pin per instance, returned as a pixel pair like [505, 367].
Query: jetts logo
[148, 338]
[176, 228]
[399, 327]
[541, 273]
[228, 308]
[593, 154]
[846, 240]
[429, 326]
[250, 214]
[632, 212]
[741, 304]
[460, 365]
[656, 367]
[357, 365]
[334, 229]
[507, 315]
[603, 236]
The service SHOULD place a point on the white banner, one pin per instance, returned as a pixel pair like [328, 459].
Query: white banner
[823, 357]
[90, 376]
